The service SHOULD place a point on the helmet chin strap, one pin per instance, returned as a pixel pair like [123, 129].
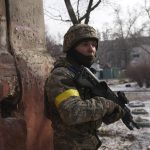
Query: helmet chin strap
[79, 58]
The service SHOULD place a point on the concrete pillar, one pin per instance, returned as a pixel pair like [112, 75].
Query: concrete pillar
[26, 42]
[3, 44]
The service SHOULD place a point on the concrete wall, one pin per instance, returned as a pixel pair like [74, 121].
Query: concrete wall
[25, 40]
[3, 44]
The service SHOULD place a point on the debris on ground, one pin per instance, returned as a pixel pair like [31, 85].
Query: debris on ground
[117, 136]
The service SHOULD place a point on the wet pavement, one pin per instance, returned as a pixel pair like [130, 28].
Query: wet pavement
[118, 137]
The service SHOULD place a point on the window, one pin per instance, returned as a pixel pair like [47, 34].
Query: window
[136, 55]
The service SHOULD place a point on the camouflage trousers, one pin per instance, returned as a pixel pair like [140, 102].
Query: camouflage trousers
[67, 143]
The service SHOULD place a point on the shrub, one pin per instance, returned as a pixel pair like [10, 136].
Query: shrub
[54, 49]
[140, 73]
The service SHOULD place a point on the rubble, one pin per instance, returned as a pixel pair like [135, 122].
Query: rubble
[136, 104]
[139, 111]
[142, 122]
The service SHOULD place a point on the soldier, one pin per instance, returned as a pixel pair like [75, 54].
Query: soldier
[75, 115]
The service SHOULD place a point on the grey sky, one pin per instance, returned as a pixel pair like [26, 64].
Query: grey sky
[99, 17]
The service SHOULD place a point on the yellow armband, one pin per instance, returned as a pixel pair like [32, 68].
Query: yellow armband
[65, 95]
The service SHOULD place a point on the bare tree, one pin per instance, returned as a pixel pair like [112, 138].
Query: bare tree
[119, 47]
[145, 28]
[147, 8]
[78, 11]
[120, 38]
[54, 49]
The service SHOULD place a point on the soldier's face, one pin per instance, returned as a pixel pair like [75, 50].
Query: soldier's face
[87, 48]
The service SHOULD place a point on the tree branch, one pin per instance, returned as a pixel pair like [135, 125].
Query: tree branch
[147, 9]
[132, 22]
[71, 12]
[58, 18]
[78, 15]
[145, 49]
[88, 12]
[92, 8]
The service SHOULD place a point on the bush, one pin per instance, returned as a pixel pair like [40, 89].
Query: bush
[140, 73]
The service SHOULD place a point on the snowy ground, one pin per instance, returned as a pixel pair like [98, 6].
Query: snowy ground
[117, 136]
[127, 87]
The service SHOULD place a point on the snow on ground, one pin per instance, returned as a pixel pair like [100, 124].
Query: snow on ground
[131, 86]
[117, 136]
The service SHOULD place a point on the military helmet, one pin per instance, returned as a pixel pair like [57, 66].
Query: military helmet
[77, 33]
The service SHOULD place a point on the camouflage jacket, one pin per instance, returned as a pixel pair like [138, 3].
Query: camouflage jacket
[74, 114]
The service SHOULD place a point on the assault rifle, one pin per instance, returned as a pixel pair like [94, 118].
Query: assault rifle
[87, 79]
